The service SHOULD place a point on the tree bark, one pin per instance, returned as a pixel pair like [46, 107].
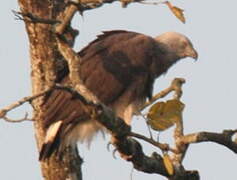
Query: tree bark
[43, 56]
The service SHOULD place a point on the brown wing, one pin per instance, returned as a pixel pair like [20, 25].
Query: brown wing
[114, 61]
[110, 65]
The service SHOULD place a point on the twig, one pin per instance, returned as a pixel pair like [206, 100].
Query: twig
[175, 84]
[224, 138]
[4, 111]
[148, 127]
[152, 3]
[29, 99]
[92, 4]
[25, 118]
[163, 147]
[28, 17]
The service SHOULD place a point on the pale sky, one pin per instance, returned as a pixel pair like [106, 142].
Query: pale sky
[209, 93]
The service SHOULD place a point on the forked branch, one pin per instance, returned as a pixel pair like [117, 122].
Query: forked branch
[29, 99]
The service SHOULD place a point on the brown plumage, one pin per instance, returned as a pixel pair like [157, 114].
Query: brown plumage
[119, 67]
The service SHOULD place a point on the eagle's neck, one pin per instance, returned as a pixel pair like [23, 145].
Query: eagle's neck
[162, 63]
[164, 59]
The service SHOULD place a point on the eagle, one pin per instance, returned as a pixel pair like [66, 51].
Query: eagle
[120, 68]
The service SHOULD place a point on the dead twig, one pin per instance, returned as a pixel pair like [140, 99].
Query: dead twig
[29, 99]
[4, 111]
[163, 147]
[25, 118]
[224, 138]
[28, 17]
[176, 85]
[151, 3]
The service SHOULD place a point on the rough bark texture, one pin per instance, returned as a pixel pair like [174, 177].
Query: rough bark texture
[43, 55]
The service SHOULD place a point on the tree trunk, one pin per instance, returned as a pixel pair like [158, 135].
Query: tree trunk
[44, 55]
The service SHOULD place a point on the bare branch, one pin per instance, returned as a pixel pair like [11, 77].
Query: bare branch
[70, 10]
[176, 85]
[92, 4]
[178, 131]
[28, 17]
[29, 99]
[74, 61]
[163, 147]
[67, 16]
[152, 3]
[148, 126]
[224, 138]
[25, 118]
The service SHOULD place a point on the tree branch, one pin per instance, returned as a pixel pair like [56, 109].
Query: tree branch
[71, 8]
[29, 99]
[74, 61]
[66, 16]
[4, 111]
[163, 147]
[224, 138]
[28, 17]
[129, 148]
[25, 118]
[175, 86]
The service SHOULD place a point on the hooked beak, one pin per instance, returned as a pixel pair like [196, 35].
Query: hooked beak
[193, 54]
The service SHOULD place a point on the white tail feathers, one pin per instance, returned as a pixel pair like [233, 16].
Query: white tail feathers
[51, 143]
[52, 131]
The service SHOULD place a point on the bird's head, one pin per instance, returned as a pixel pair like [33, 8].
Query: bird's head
[177, 46]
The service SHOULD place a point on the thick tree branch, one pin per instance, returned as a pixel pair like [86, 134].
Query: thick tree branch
[129, 149]
[44, 57]
[67, 16]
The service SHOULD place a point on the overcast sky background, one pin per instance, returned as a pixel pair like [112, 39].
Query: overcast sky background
[209, 93]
